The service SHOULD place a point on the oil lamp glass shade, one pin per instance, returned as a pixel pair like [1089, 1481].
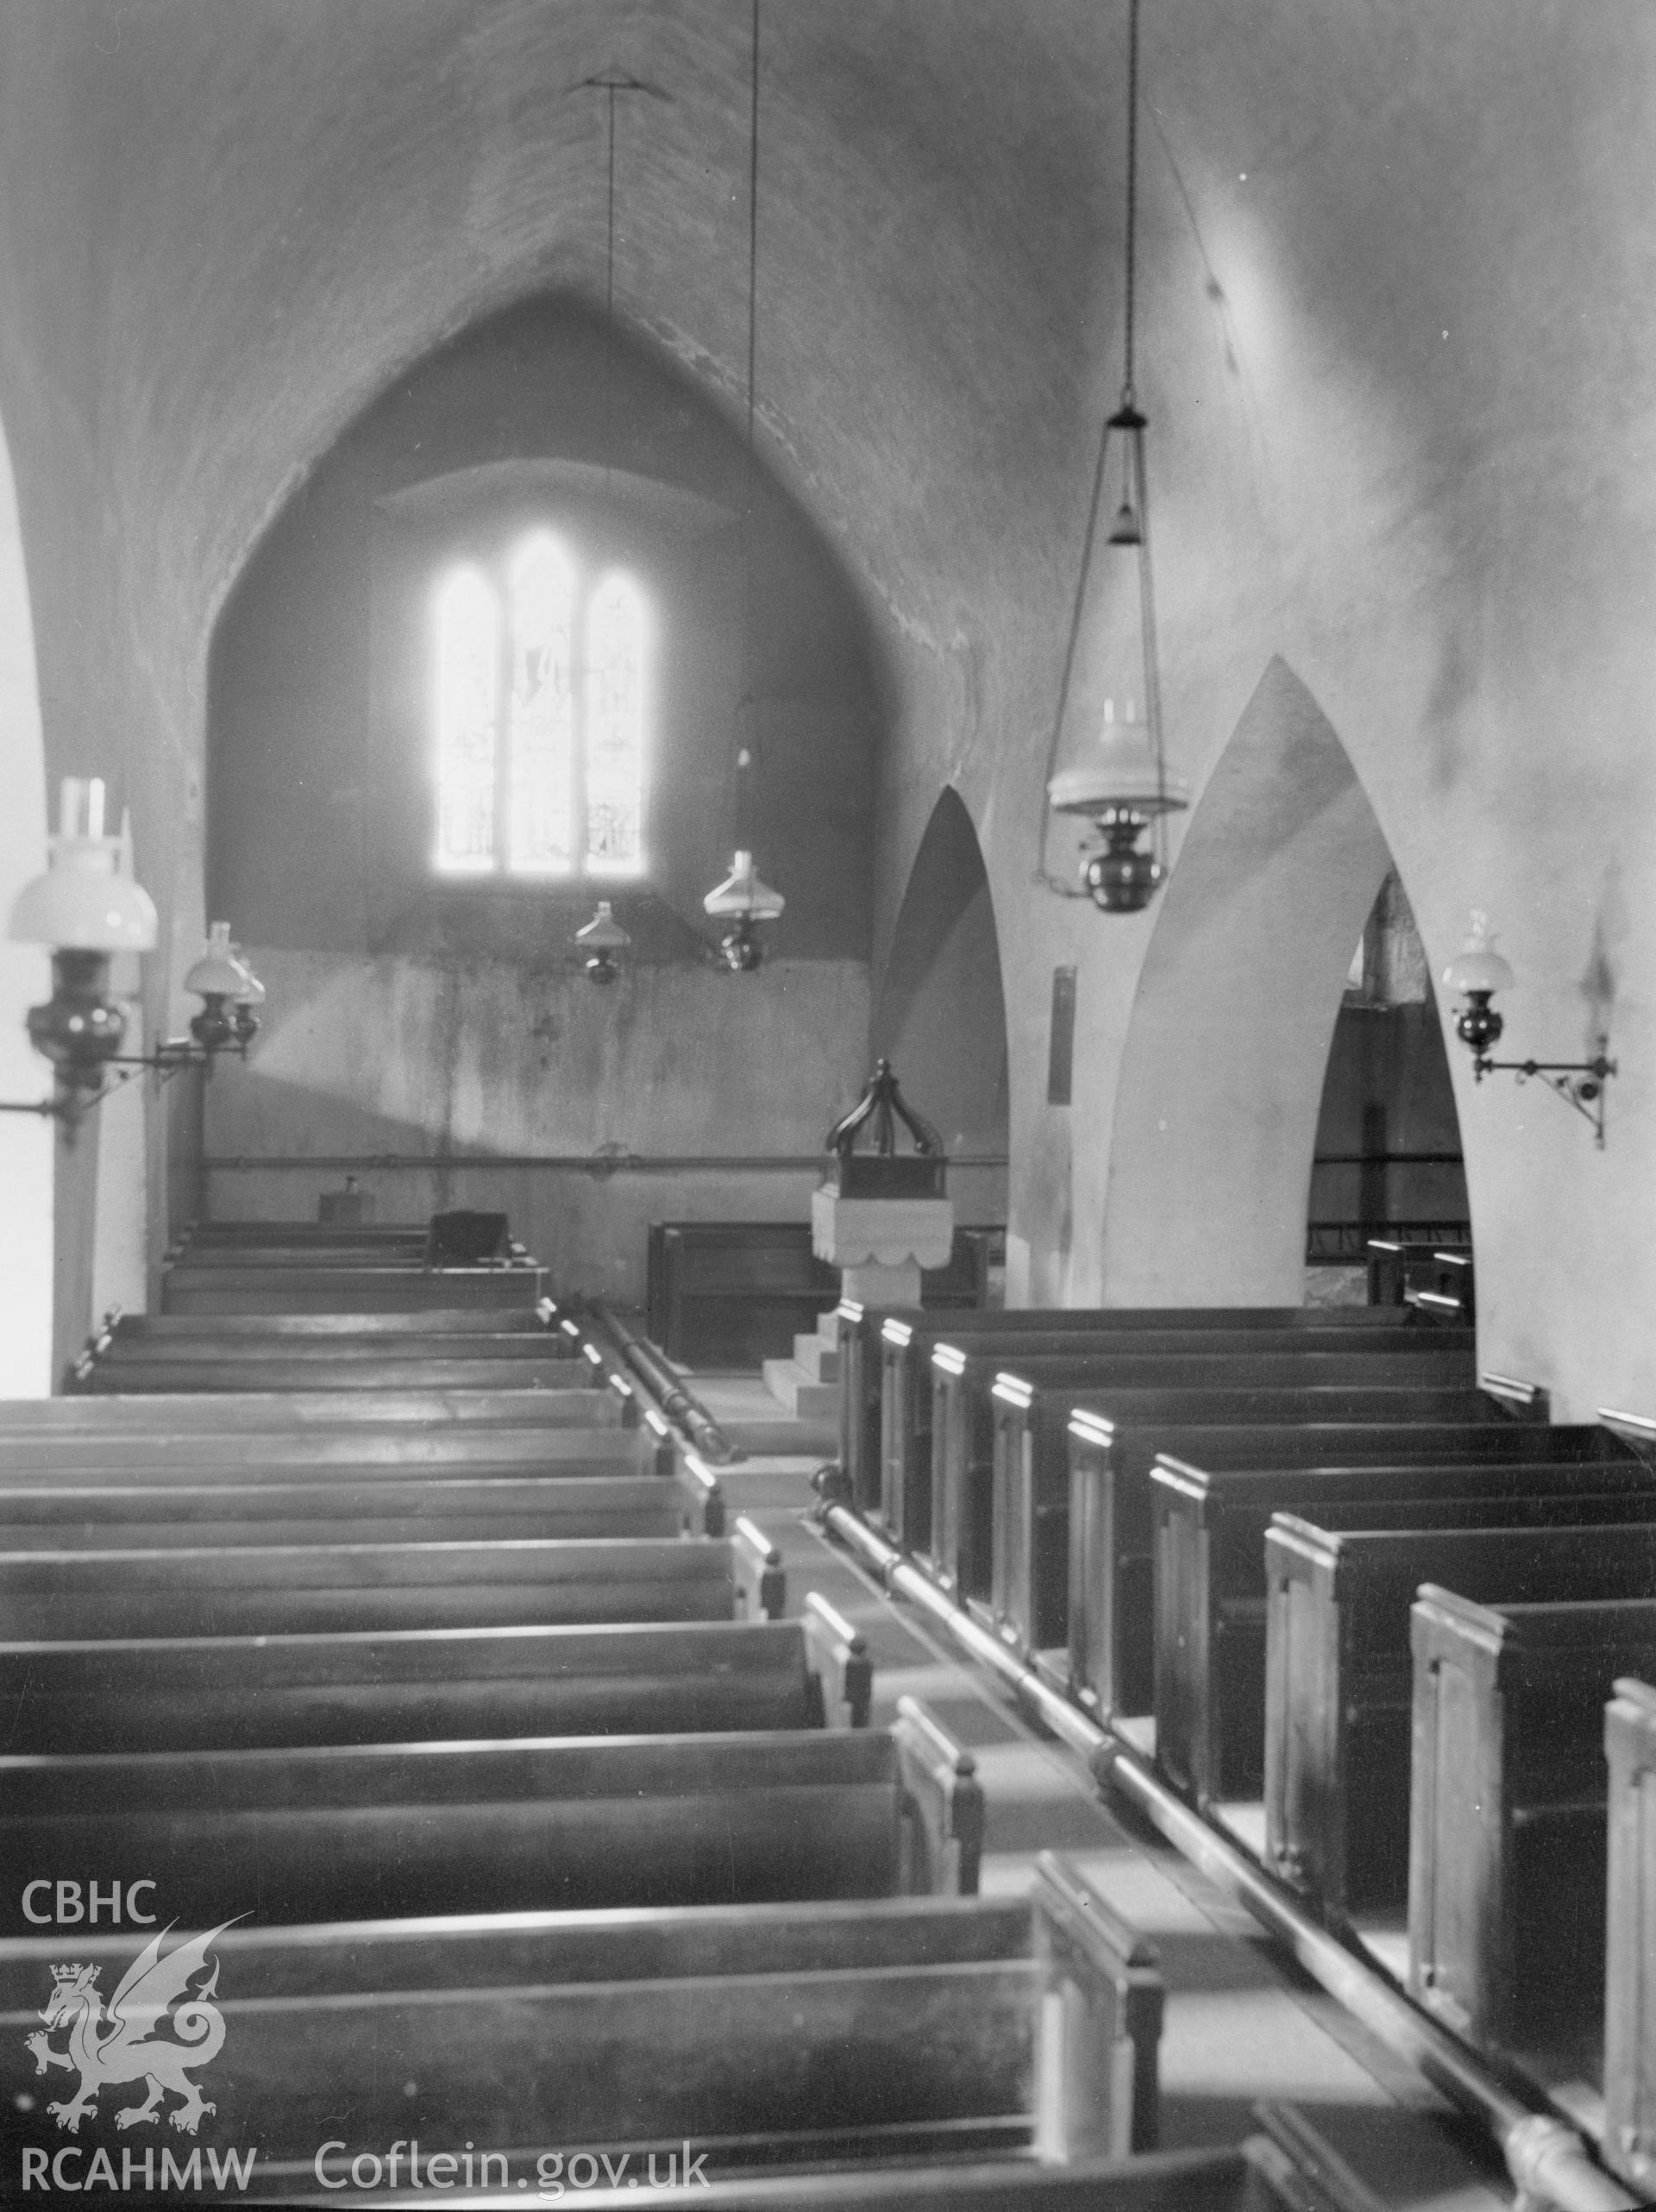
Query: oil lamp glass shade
[219, 973]
[603, 933]
[251, 992]
[743, 894]
[1477, 966]
[1119, 774]
[83, 902]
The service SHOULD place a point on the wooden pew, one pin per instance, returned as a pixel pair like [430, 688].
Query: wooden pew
[532, 1824]
[302, 1328]
[417, 1685]
[1630, 1981]
[216, 1341]
[346, 1290]
[109, 1516]
[362, 1453]
[959, 1479]
[1209, 1551]
[340, 1363]
[1112, 1619]
[366, 1235]
[885, 1356]
[1337, 1678]
[878, 2028]
[263, 1253]
[297, 1589]
[1030, 1549]
[1508, 1805]
[427, 1410]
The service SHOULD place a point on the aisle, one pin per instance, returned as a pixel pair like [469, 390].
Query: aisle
[1240, 2025]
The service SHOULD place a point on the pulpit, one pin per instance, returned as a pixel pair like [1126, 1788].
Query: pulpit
[881, 1215]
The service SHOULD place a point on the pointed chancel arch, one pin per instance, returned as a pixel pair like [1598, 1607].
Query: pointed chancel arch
[26, 1145]
[1222, 1075]
[939, 1015]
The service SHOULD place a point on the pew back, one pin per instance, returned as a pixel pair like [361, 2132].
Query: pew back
[295, 1589]
[1209, 1575]
[1030, 1534]
[952, 1483]
[1630, 1995]
[1508, 1800]
[1111, 1635]
[885, 1355]
[534, 1823]
[176, 1694]
[1339, 1686]
[780, 2033]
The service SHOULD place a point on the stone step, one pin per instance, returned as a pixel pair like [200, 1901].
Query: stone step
[820, 1361]
[806, 1399]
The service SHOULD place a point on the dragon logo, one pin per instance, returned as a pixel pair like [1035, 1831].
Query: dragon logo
[122, 2045]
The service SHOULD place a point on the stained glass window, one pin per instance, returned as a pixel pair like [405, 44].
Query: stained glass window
[468, 678]
[541, 701]
[540, 711]
[615, 730]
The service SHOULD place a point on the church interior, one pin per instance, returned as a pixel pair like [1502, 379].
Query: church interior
[826, 1123]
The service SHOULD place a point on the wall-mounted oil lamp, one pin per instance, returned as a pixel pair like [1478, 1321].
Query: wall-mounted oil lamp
[87, 908]
[1477, 971]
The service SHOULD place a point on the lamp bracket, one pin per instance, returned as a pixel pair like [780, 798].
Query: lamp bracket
[70, 1103]
[1580, 1084]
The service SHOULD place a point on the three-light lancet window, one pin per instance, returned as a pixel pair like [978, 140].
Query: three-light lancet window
[541, 706]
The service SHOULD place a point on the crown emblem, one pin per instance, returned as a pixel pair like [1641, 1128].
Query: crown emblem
[63, 1973]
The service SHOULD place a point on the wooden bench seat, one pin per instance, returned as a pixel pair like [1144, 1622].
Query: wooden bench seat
[60, 1517]
[266, 1231]
[427, 1409]
[363, 1453]
[1630, 1980]
[1338, 1679]
[355, 1290]
[1507, 1815]
[306, 1328]
[1111, 1618]
[417, 1685]
[885, 1355]
[1209, 1544]
[296, 1589]
[262, 1252]
[1029, 1550]
[218, 1345]
[875, 2027]
[418, 1367]
[959, 1478]
[532, 1824]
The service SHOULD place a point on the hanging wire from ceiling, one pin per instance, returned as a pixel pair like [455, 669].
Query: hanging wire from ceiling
[1121, 881]
[746, 717]
[743, 900]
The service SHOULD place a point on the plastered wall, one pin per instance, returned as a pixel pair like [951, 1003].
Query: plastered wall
[411, 1014]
